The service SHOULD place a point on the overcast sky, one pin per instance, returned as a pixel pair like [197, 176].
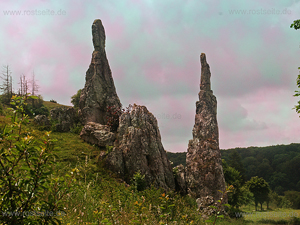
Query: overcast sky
[153, 48]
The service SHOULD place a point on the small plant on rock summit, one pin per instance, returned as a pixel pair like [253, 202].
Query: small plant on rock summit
[114, 113]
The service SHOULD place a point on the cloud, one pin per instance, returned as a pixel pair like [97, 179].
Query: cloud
[153, 48]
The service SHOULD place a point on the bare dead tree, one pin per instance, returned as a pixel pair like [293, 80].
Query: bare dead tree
[23, 90]
[6, 86]
[34, 87]
[25, 85]
[21, 86]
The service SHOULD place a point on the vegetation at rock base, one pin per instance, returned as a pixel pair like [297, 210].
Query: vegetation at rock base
[113, 116]
[75, 99]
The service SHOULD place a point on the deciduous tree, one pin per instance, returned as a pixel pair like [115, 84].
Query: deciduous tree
[260, 189]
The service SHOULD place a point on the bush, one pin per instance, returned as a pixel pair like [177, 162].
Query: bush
[113, 116]
[76, 129]
[27, 182]
[294, 198]
[139, 182]
[1, 110]
[53, 101]
[76, 98]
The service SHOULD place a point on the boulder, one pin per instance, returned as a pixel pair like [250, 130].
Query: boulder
[64, 117]
[98, 134]
[42, 120]
[204, 172]
[99, 91]
[180, 180]
[138, 148]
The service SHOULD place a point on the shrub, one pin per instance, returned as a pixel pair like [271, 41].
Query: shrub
[53, 101]
[27, 183]
[1, 110]
[294, 198]
[76, 129]
[138, 181]
[113, 116]
[76, 98]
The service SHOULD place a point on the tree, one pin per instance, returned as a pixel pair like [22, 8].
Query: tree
[75, 99]
[295, 24]
[260, 189]
[235, 161]
[34, 88]
[23, 90]
[239, 195]
[6, 87]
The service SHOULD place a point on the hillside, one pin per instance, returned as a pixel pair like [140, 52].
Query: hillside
[50, 105]
[95, 195]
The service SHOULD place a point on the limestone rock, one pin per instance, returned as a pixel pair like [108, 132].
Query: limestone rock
[204, 172]
[180, 180]
[99, 91]
[139, 143]
[64, 117]
[42, 120]
[98, 134]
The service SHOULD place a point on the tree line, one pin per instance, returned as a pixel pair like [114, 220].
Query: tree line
[273, 169]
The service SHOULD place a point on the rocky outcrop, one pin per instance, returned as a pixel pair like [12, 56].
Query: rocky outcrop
[180, 179]
[64, 118]
[99, 91]
[98, 134]
[136, 145]
[42, 120]
[204, 173]
[138, 148]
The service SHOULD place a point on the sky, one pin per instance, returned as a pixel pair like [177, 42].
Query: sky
[153, 48]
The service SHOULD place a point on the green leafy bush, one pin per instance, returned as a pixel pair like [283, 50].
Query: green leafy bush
[138, 181]
[28, 186]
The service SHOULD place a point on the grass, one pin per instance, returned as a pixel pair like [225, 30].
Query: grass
[277, 216]
[97, 196]
[51, 105]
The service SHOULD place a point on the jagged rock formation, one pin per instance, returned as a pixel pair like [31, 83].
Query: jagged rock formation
[204, 172]
[136, 145]
[138, 148]
[99, 90]
[64, 117]
[98, 134]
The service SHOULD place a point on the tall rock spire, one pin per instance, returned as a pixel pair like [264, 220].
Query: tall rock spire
[99, 90]
[204, 172]
[205, 74]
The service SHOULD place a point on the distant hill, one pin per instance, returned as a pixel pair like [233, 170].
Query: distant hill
[279, 165]
[50, 105]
